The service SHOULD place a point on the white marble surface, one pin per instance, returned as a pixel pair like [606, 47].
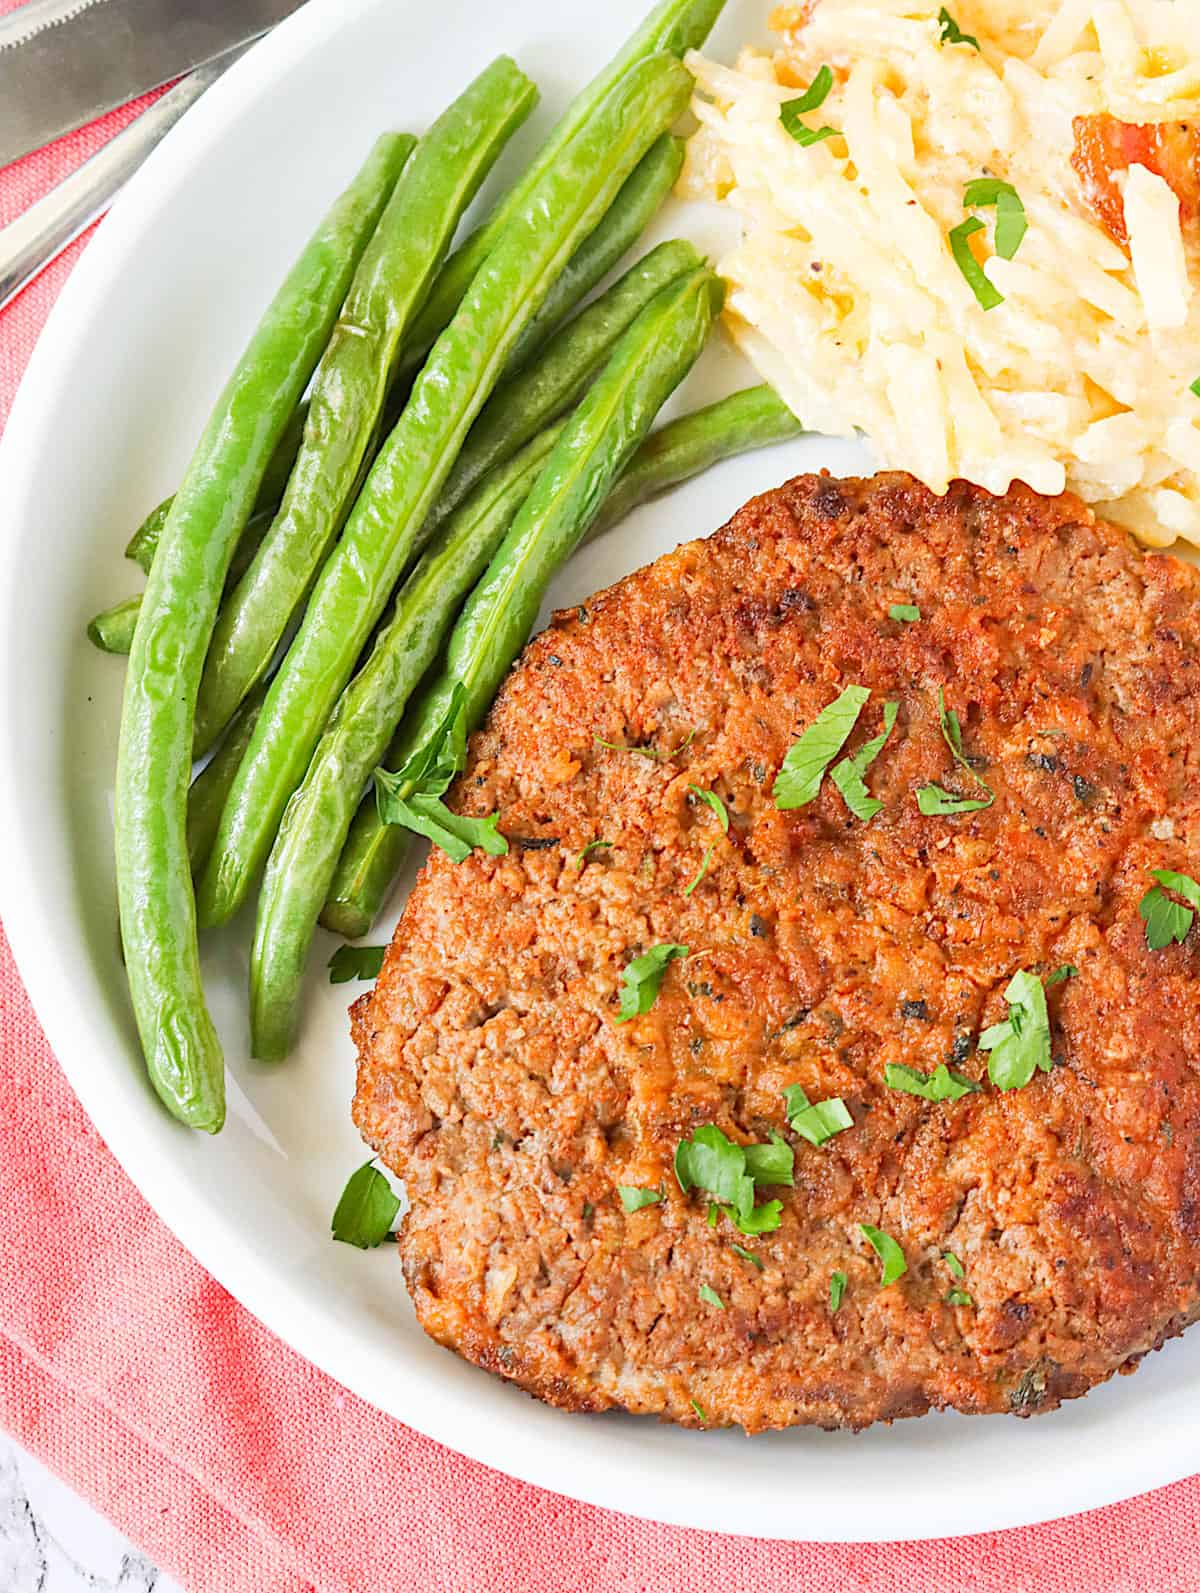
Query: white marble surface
[51, 1541]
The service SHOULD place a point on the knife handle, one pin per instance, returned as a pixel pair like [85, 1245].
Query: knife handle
[28, 244]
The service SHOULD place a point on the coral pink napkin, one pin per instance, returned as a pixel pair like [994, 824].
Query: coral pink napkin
[242, 1469]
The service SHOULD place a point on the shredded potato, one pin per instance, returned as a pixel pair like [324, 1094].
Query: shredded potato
[846, 295]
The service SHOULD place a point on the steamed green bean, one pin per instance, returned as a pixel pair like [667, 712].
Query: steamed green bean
[383, 532]
[352, 382]
[214, 502]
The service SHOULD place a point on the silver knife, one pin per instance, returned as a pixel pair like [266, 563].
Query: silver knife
[39, 234]
[66, 62]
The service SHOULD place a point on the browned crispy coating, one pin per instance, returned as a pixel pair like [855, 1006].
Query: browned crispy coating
[495, 1080]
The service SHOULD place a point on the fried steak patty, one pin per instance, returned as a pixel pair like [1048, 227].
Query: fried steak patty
[495, 1080]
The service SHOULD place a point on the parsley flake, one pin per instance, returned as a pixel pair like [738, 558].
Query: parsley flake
[643, 979]
[837, 1289]
[940, 1085]
[1011, 225]
[698, 1408]
[647, 750]
[715, 803]
[586, 852]
[888, 1251]
[412, 797]
[848, 775]
[634, 1199]
[933, 800]
[958, 1297]
[1165, 920]
[771, 1164]
[906, 613]
[366, 1211]
[812, 99]
[748, 1255]
[987, 295]
[815, 1121]
[711, 1297]
[955, 1265]
[1067, 971]
[355, 962]
[799, 779]
[728, 1173]
[704, 862]
[1019, 1046]
[952, 33]
[1194, 387]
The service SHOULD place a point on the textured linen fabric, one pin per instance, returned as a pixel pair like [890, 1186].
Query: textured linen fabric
[242, 1469]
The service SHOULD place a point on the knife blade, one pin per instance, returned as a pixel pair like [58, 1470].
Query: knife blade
[66, 62]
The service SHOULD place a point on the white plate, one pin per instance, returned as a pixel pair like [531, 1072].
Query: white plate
[136, 350]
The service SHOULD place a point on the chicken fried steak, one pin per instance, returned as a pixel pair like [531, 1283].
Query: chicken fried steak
[985, 1249]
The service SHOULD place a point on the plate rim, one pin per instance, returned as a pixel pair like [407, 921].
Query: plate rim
[302, 1323]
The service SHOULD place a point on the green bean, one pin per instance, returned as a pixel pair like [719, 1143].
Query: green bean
[211, 786]
[547, 388]
[674, 27]
[112, 629]
[158, 920]
[753, 418]
[632, 212]
[352, 382]
[314, 826]
[374, 852]
[634, 208]
[144, 540]
[382, 534]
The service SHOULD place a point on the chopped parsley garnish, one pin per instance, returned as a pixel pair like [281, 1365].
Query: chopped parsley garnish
[940, 1085]
[412, 798]
[728, 1173]
[592, 846]
[960, 247]
[365, 1213]
[848, 775]
[771, 1164]
[799, 780]
[704, 862]
[955, 1265]
[1165, 920]
[711, 1297]
[634, 1199]
[934, 800]
[715, 803]
[1021, 1044]
[1194, 387]
[837, 1289]
[643, 979]
[698, 1408]
[812, 99]
[906, 613]
[1011, 225]
[952, 33]
[888, 1251]
[355, 962]
[815, 1121]
[759, 1220]
[958, 1297]
[649, 751]
[748, 1255]
[1067, 971]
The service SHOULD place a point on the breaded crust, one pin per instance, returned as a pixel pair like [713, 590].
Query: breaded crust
[494, 1078]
